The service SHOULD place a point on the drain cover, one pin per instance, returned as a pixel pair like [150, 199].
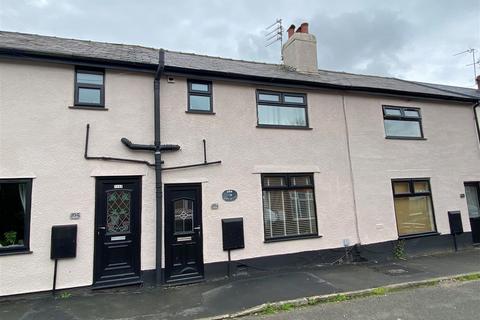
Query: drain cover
[395, 269]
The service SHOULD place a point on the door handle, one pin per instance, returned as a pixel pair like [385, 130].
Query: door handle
[99, 229]
[197, 228]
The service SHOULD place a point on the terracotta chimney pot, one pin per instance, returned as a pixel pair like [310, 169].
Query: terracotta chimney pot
[291, 31]
[304, 27]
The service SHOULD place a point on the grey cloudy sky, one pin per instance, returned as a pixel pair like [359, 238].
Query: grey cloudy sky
[408, 39]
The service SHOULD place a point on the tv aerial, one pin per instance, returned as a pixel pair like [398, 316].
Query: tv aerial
[474, 61]
[273, 34]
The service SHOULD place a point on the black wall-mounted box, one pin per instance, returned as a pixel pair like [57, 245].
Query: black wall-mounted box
[232, 234]
[64, 242]
[455, 220]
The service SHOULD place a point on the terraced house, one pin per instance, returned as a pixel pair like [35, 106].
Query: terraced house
[160, 160]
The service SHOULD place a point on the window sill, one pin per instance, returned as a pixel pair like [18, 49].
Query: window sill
[314, 236]
[14, 252]
[200, 112]
[283, 127]
[419, 235]
[99, 108]
[404, 138]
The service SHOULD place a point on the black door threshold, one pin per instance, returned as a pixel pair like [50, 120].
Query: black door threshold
[116, 285]
[181, 282]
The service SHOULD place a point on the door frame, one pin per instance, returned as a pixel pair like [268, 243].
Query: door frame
[477, 185]
[184, 186]
[99, 180]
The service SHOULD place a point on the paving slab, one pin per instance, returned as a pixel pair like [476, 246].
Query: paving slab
[224, 296]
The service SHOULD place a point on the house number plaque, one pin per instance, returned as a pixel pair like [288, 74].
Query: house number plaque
[229, 195]
[74, 215]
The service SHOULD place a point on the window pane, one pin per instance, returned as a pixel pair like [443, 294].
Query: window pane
[183, 212]
[414, 215]
[411, 113]
[200, 103]
[89, 78]
[200, 87]
[392, 112]
[274, 181]
[401, 128]
[269, 97]
[13, 197]
[282, 116]
[118, 211]
[88, 95]
[300, 181]
[473, 202]
[293, 99]
[289, 213]
[421, 186]
[401, 187]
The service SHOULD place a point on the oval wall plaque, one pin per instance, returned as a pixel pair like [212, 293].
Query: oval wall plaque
[229, 195]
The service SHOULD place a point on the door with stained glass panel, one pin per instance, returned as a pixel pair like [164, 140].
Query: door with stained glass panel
[472, 191]
[183, 234]
[117, 232]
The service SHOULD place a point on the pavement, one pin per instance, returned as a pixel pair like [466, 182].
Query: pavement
[449, 300]
[227, 296]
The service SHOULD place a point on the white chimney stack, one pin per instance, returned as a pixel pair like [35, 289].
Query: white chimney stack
[300, 51]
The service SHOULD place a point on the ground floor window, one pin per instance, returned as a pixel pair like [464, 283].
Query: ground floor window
[413, 207]
[288, 206]
[15, 198]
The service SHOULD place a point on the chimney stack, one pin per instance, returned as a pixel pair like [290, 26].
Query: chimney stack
[300, 51]
[478, 82]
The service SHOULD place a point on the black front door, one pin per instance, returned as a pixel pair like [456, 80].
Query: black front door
[472, 191]
[117, 231]
[183, 233]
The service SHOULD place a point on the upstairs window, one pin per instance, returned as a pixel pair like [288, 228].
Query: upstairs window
[89, 88]
[200, 97]
[15, 198]
[402, 123]
[281, 110]
[413, 207]
[288, 206]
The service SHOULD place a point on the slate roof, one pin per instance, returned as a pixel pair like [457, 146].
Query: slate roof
[148, 57]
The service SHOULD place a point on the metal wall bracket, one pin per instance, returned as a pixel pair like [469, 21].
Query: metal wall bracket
[110, 158]
[204, 163]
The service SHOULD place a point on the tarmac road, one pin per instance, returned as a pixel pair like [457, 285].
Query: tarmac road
[447, 301]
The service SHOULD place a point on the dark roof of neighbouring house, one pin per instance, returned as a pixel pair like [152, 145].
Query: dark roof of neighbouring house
[21, 44]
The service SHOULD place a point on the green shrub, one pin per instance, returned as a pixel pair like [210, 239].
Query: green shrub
[10, 238]
[399, 250]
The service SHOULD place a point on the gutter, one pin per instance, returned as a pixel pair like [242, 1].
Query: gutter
[15, 54]
[225, 76]
[216, 75]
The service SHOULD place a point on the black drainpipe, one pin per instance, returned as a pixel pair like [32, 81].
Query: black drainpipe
[158, 169]
[477, 117]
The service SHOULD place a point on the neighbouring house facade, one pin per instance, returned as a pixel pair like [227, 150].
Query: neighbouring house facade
[310, 160]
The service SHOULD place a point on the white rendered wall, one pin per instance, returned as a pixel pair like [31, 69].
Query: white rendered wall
[41, 137]
[449, 156]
